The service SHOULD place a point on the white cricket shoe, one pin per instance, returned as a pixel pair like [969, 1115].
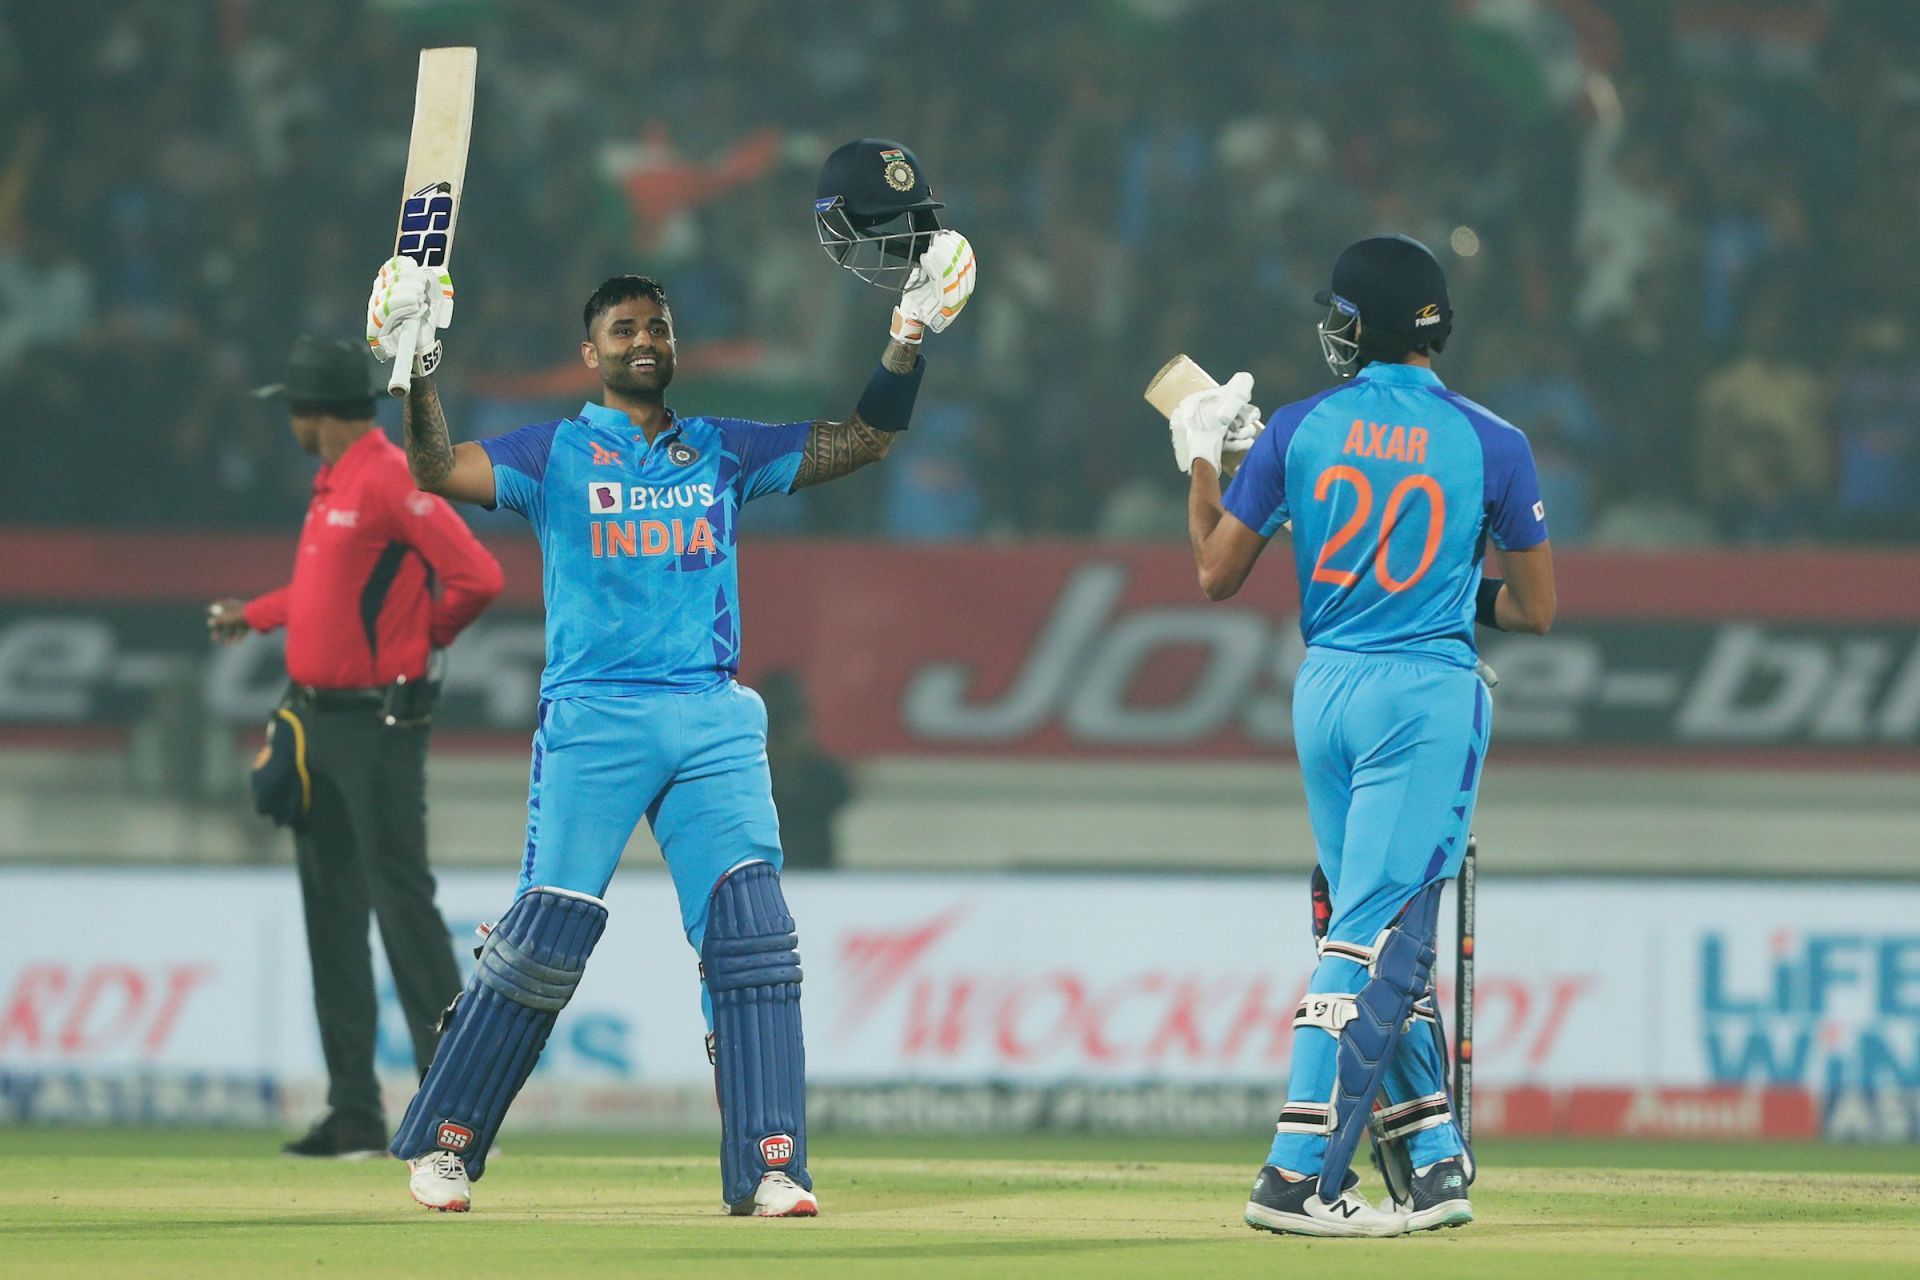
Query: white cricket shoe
[777, 1196]
[439, 1181]
[1292, 1206]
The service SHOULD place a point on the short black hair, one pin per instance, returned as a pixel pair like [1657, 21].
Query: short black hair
[346, 410]
[621, 289]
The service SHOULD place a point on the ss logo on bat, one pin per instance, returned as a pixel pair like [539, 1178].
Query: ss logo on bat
[424, 220]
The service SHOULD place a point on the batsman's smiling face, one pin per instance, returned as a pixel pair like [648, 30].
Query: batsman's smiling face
[632, 347]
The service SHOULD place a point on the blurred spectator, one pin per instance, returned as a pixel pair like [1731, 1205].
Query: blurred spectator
[46, 294]
[1762, 454]
[1877, 409]
[932, 492]
[1542, 398]
[809, 786]
[1627, 222]
[1609, 184]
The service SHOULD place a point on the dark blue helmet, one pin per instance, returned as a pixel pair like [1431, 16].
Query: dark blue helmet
[1389, 297]
[875, 211]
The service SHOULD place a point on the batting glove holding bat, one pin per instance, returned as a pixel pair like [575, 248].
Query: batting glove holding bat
[1241, 433]
[406, 293]
[1207, 423]
[937, 290]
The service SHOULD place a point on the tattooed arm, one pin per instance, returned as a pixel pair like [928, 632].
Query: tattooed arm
[460, 472]
[835, 449]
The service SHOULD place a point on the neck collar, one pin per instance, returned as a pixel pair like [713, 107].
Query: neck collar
[617, 419]
[1399, 375]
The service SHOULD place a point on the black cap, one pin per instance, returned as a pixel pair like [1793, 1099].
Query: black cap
[874, 179]
[325, 369]
[1396, 287]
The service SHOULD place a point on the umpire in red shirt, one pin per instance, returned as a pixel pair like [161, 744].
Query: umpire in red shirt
[384, 577]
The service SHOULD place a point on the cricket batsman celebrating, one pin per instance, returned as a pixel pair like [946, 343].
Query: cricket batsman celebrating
[1392, 485]
[637, 508]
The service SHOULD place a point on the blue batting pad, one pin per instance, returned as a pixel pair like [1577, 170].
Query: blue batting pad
[1401, 970]
[1414, 1127]
[528, 969]
[759, 1062]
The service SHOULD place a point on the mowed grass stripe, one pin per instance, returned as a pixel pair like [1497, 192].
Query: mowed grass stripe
[218, 1205]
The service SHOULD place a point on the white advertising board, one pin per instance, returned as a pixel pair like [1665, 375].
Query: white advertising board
[1028, 980]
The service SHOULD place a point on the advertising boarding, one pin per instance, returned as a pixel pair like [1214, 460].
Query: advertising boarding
[1064, 650]
[1729, 1008]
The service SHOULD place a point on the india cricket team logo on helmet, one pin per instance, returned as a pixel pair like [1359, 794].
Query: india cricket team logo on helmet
[874, 210]
[898, 172]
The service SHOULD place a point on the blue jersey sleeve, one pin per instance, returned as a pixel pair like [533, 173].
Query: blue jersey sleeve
[769, 454]
[1516, 518]
[520, 465]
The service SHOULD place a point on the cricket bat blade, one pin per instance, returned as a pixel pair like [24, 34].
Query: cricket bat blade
[436, 172]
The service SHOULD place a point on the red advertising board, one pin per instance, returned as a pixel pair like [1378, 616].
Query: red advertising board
[1096, 649]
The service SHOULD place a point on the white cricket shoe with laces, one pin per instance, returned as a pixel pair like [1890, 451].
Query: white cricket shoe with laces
[1289, 1204]
[777, 1196]
[439, 1181]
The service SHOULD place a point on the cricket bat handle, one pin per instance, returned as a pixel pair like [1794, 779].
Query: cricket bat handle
[400, 381]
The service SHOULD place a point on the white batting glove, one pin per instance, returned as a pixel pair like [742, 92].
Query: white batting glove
[1201, 421]
[937, 290]
[407, 293]
[1241, 433]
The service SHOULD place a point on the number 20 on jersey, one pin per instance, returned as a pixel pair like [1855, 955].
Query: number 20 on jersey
[1390, 518]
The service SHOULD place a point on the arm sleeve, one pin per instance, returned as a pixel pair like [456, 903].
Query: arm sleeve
[468, 575]
[1257, 496]
[769, 454]
[268, 612]
[1516, 518]
[520, 466]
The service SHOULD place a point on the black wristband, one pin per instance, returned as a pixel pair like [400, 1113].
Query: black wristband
[1483, 602]
[887, 403]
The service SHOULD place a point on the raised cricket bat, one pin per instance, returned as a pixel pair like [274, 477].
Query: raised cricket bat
[1179, 378]
[436, 170]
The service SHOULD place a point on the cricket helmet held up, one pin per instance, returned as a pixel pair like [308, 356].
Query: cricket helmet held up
[1389, 296]
[875, 211]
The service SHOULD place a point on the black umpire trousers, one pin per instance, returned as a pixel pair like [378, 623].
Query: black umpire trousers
[364, 849]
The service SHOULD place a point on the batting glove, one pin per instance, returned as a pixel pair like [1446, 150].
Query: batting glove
[1201, 422]
[1241, 433]
[407, 293]
[937, 290]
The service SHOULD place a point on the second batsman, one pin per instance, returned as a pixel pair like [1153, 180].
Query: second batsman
[1392, 485]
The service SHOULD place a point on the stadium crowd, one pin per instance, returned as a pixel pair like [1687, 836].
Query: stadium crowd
[1676, 235]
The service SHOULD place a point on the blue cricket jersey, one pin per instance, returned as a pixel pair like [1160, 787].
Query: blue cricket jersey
[637, 541]
[1393, 484]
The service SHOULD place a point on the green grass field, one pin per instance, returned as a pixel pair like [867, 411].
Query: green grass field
[128, 1204]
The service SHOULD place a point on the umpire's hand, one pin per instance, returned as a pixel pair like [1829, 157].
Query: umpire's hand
[227, 620]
